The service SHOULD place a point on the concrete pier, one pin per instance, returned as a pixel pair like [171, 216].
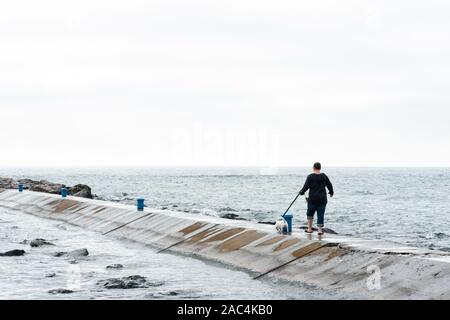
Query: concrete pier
[365, 268]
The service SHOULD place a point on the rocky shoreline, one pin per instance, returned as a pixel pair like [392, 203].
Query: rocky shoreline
[79, 190]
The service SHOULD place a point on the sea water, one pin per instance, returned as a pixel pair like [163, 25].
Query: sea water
[410, 206]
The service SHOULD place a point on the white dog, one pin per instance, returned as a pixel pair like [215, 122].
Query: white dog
[281, 225]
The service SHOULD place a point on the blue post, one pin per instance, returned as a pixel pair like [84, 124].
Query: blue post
[140, 204]
[288, 217]
[20, 187]
[64, 192]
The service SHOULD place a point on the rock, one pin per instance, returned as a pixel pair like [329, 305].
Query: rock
[46, 189]
[231, 216]
[115, 266]
[267, 222]
[79, 190]
[13, 253]
[132, 282]
[73, 254]
[326, 230]
[8, 183]
[82, 191]
[50, 275]
[60, 291]
[41, 186]
[40, 242]
[79, 253]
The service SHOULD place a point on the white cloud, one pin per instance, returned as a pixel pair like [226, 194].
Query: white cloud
[122, 83]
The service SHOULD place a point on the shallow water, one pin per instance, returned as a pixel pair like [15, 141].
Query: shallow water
[174, 277]
[405, 205]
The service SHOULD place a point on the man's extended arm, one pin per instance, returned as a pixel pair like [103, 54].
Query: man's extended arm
[305, 187]
[329, 186]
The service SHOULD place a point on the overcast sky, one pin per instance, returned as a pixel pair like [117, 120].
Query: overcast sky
[223, 83]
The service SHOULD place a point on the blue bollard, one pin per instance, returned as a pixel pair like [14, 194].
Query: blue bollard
[140, 204]
[288, 217]
[20, 187]
[64, 192]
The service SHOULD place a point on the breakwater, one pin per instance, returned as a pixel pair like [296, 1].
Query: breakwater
[369, 269]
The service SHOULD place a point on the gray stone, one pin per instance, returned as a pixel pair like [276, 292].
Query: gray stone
[40, 242]
[82, 191]
[267, 222]
[60, 291]
[231, 216]
[8, 183]
[79, 190]
[132, 282]
[13, 253]
[73, 254]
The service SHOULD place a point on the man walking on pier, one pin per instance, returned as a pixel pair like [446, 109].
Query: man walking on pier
[317, 200]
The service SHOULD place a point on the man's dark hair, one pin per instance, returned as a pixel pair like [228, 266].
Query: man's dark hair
[317, 166]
